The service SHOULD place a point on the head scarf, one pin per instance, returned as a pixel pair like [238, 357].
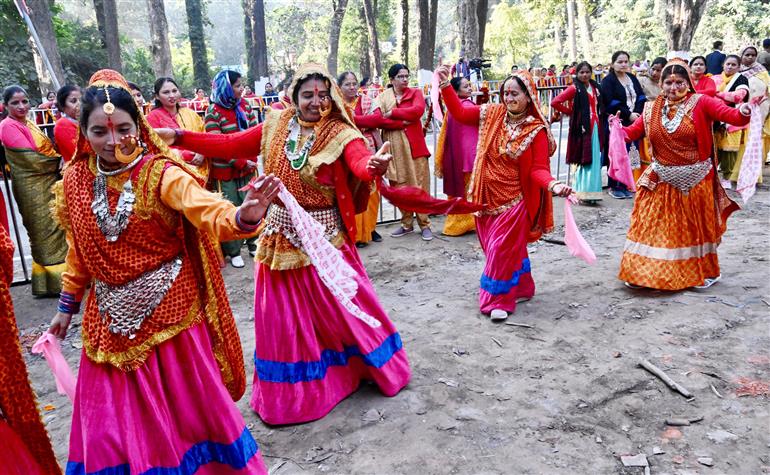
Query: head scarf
[223, 95]
[754, 68]
[107, 78]
[340, 110]
[682, 63]
[534, 111]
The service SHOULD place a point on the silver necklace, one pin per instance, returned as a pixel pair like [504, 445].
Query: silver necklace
[673, 123]
[112, 225]
[297, 158]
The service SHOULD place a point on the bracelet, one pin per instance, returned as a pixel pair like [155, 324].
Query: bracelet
[67, 303]
[177, 135]
[245, 227]
[443, 84]
[553, 184]
[740, 109]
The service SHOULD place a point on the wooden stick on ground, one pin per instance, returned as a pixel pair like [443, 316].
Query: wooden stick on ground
[665, 378]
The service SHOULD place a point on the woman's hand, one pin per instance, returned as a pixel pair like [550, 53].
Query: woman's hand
[443, 73]
[258, 197]
[251, 165]
[560, 189]
[387, 115]
[60, 324]
[378, 163]
[633, 117]
[168, 135]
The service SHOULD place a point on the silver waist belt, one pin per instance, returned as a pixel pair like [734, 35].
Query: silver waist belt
[278, 220]
[683, 177]
[127, 305]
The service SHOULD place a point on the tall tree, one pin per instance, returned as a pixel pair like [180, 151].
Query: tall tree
[405, 32]
[374, 40]
[571, 30]
[482, 10]
[470, 28]
[247, 26]
[365, 62]
[255, 10]
[107, 22]
[682, 18]
[427, 20]
[160, 48]
[197, 42]
[40, 13]
[586, 37]
[339, 7]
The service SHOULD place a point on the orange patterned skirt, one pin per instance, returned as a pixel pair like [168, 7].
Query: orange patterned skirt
[673, 238]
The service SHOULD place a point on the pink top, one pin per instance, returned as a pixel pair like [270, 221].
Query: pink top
[14, 134]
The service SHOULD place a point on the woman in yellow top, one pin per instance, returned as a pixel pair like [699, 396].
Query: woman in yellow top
[34, 169]
[169, 114]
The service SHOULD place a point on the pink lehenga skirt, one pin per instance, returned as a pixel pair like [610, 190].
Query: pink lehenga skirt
[506, 276]
[311, 353]
[171, 416]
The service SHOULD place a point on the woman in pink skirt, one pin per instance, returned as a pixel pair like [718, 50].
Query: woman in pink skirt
[311, 349]
[162, 362]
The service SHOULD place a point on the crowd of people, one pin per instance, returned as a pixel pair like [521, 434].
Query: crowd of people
[150, 205]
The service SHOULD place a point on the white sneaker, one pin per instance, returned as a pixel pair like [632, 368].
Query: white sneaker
[498, 315]
[237, 262]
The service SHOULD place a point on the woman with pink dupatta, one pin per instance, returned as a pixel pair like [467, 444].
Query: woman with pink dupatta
[512, 178]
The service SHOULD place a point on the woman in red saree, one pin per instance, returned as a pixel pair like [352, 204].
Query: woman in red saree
[512, 178]
[681, 210]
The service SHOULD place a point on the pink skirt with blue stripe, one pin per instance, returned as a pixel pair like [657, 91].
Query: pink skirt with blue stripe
[507, 274]
[172, 416]
[311, 353]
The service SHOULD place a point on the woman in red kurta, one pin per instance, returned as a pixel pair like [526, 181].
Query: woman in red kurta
[410, 153]
[65, 132]
[512, 177]
[311, 352]
[681, 210]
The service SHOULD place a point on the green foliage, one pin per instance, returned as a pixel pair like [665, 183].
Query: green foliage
[736, 22]
[81, 50]
[297, 33]
[137, 68]
[16, 63]
[509, 37]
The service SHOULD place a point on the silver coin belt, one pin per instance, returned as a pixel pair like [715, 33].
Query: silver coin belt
[126, 306]
[112, 225]
[683, 177]
[278, 220]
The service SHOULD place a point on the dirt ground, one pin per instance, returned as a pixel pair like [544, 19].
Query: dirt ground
[562, 397]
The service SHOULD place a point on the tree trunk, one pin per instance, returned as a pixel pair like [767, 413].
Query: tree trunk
[260, 38]
[107, 22]
[682, 18]
[40, 14]
[482, 8]
[586, 37]
[160, 48]
[374, 40]
[365, 63]
[427, 20]
[461, 23]
[197, 42]
[571, 30]
[339, 7]
[557, 38]
[405, 32]
[247, 27]
[471, 28]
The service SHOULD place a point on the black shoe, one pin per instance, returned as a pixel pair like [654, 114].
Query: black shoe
[361, 245]
[376, 236]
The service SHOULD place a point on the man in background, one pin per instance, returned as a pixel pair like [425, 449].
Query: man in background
[715, 59]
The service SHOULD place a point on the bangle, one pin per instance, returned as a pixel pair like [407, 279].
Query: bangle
[177, 135]
[740, 109]
[245, 227]
[553, 184]
[67, 303]
[443, 84]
